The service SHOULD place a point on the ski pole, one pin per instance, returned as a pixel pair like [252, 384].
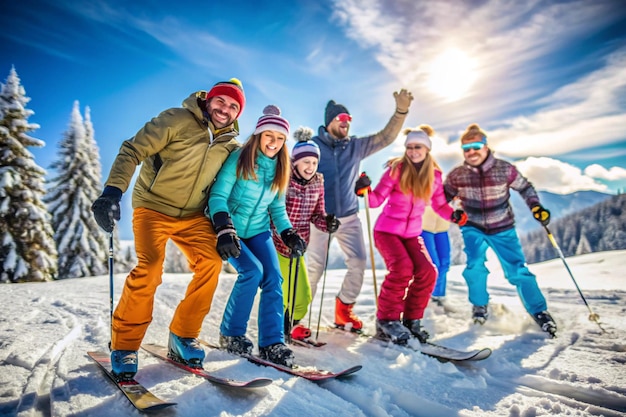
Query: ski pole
[288, 309]
[297, 256]
[592, 316]
[319, 317]
[111, 285]
[369, 232]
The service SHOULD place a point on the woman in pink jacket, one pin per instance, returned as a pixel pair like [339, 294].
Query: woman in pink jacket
[410, 183]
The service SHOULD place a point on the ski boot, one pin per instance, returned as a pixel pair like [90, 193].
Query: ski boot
[124, 364]
[239, 345]
[392, 330]
[185, 350]
[480, 314]
[277, 353]
[416, 329]
[344, 315]
[546, 322]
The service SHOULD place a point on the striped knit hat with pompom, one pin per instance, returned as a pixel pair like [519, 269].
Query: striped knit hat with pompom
[271, 120]
[304, 145]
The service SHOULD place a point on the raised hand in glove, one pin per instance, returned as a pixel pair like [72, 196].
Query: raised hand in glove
[332, 223]
[459, 217]
[293, 242]
[362, 185]
[541, 214]
[228, 245]
[106, 208]
[403, 101]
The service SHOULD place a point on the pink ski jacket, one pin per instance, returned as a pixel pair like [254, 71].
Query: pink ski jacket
[402, 215]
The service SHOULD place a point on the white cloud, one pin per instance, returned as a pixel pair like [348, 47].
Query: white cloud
[556, 176]
[598, 171]
[587, 112]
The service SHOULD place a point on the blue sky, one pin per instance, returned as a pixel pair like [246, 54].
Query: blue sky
[545, 79]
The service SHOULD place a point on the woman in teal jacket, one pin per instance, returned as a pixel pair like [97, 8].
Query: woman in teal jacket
[251, 185]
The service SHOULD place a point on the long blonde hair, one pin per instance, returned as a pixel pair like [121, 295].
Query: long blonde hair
[417, 183]
[247, 161]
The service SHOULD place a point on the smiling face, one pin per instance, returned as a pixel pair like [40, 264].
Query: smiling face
[271, 142]
[306, 167]
[416, 152]
[223, 110]
[475, 151]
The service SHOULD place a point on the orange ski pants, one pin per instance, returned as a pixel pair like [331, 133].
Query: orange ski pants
[196, 239]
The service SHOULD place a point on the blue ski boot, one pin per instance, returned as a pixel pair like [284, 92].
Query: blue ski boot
[124, 364]
[185, 350]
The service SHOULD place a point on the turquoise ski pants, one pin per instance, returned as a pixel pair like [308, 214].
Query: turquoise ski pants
[508, 249]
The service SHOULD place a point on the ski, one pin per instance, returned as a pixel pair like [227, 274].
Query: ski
[446, 354]
[307, 372]
[160, 352]
[138, 395]
[439, 352]
[308, 342]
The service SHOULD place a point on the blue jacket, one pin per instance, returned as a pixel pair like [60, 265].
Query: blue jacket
[340, 162]
[248, 201]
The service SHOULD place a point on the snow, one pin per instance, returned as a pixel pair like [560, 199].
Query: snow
[47, 328]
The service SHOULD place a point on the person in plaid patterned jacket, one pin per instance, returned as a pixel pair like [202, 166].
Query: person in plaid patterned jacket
[483, 184]
[305, 205]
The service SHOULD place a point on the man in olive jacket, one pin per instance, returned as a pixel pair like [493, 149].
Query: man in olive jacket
[340, 159]
[180, 152]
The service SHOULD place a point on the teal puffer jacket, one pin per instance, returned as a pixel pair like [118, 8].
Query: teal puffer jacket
[249, 201]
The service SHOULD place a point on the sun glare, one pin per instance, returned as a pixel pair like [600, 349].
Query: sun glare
[451, 74]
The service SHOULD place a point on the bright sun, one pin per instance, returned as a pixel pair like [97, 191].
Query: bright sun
[451, 74]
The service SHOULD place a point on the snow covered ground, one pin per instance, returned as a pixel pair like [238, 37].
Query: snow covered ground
[46, 328]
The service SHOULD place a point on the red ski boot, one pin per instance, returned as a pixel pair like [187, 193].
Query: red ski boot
[344, 316]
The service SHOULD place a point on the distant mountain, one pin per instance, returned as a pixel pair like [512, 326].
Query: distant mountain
[560, 206]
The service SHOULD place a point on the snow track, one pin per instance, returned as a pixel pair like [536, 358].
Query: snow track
[35, 397]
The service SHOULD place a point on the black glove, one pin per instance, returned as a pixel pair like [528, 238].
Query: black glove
[542, 215]
[362, 185]
[228, 245]
[459, 217]
[293, 242]
[106, 208]
[332, 223]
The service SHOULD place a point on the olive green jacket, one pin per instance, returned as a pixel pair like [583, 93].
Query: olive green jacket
[180, 153]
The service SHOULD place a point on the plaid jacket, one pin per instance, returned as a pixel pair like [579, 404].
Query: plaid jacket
[305, 205]
[484, 193]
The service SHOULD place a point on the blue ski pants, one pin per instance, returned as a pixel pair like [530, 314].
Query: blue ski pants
[257, 266]
[438, 246]
[508, 249]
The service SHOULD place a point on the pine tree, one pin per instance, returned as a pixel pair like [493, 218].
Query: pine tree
[27, 249]
[82, 246]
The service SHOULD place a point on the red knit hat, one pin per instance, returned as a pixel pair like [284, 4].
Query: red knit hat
[231, 88]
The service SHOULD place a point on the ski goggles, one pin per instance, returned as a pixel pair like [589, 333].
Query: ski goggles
[343, 117]
[474, 146]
